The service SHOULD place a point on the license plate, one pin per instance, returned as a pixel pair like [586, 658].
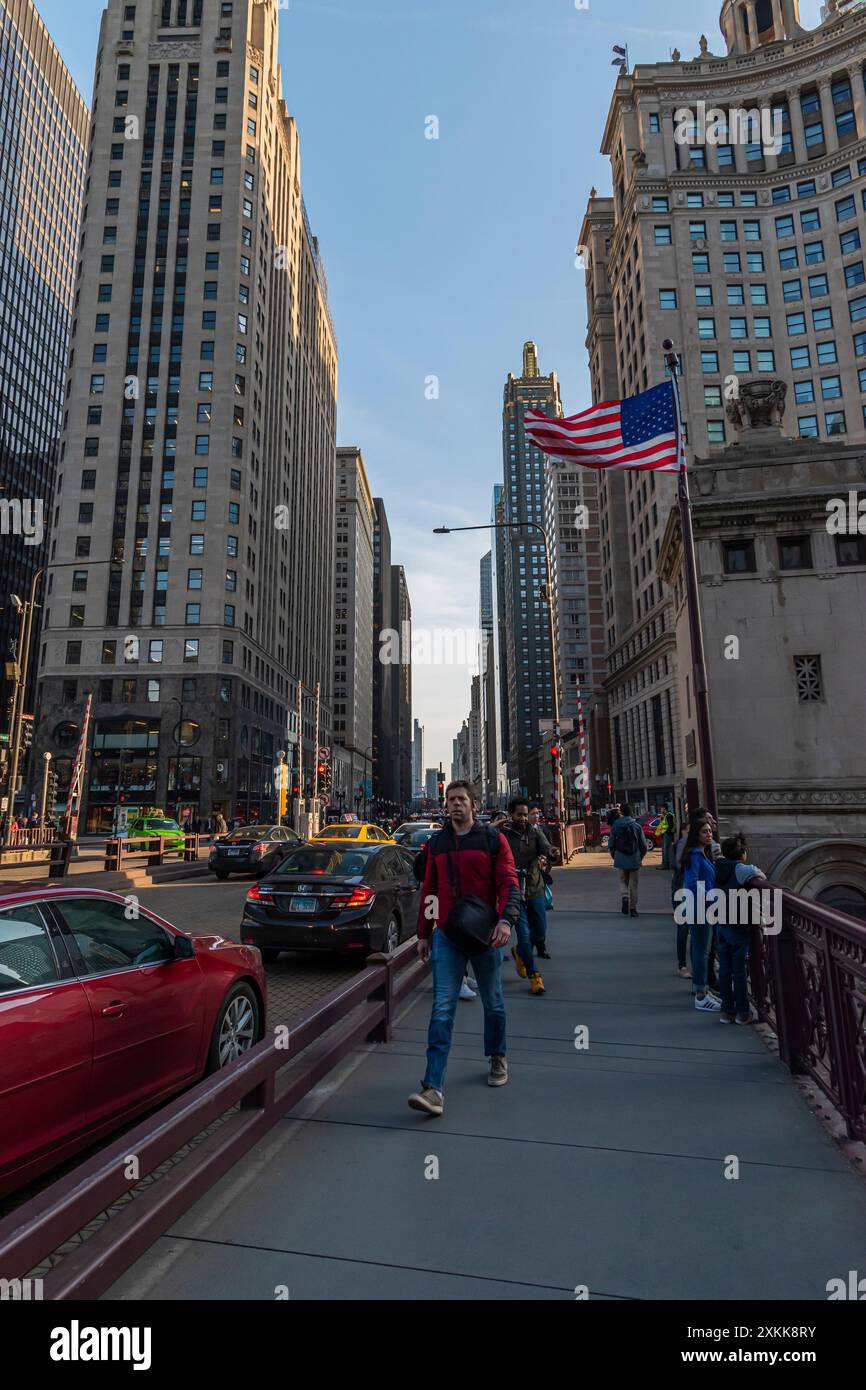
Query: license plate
[303, 905]
[235, 851]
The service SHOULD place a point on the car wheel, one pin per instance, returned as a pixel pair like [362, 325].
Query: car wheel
[392, 936]
[236, 1029]
[221, 874]
[269, 954]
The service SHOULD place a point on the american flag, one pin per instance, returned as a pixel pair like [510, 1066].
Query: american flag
[640, 432]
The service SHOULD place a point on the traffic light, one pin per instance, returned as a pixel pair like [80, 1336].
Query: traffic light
[296, 783]
[554, 755]
[441, 786]
[282, 789]
[27, 724]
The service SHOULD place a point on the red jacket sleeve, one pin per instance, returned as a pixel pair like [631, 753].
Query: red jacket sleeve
[507, 885]
[428, 906]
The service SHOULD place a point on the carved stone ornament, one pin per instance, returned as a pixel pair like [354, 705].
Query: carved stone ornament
[174, 50]
[759, 405]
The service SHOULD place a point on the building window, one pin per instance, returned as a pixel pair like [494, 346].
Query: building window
[850, 550]
[810, 687]
[808, 425]
[73, 653]
[795, 553]
[109, 652]
[739, 556]
[190, 649]
[153, 691]
[662, 235]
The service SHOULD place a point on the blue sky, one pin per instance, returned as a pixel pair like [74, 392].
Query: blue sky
[444, 255]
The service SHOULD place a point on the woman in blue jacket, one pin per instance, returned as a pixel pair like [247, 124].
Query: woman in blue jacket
[699, 868]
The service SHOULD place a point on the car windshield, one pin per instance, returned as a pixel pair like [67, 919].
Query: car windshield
[248, 832]
[162, 825]
[416, 837]
[328, 859]
[340, 832]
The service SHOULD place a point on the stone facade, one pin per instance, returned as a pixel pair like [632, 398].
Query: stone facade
[749, 255]
[782, 577]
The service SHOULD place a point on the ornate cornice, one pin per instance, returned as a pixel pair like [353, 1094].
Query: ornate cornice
[793, 796]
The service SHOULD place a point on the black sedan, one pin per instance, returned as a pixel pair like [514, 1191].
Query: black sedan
[333, 897]
[252, 849]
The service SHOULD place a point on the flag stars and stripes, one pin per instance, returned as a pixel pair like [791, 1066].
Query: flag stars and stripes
[639, 432]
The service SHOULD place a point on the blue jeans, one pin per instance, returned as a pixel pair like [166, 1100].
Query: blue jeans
[702, 935]
[667, 846]
[531, 930]
[449, 967]
[733, 948]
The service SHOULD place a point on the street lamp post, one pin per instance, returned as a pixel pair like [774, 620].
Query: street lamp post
[177, 700]
[46, 758]
[554, 670]
[26, 609]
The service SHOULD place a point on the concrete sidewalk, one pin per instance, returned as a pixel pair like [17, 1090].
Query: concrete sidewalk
[602, 1167]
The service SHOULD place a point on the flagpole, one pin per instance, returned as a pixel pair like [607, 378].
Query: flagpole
[690, 573]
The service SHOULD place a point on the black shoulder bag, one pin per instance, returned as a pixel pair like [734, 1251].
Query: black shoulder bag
[471, 921]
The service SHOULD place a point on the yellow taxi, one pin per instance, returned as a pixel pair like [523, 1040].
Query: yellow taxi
[361, 832]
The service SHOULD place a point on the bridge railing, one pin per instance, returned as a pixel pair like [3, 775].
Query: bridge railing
[809, 984]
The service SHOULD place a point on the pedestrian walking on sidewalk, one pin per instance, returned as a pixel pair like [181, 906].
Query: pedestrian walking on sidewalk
[469, 903]
[733, 872]
[627, 846]
[532, 854]
[698, 868]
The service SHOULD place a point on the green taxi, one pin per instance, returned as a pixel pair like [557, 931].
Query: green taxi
[158, 827]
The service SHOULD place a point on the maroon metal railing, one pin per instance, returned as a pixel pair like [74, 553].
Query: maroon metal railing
[248, 1097]
[809, 984]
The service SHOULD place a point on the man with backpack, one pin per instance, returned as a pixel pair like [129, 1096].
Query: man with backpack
[469, 903]
[532, 854]
[627, 846]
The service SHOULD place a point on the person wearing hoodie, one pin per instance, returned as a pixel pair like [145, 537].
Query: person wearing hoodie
[627, 847]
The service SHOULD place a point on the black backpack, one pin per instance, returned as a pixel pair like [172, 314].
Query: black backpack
[627, 841]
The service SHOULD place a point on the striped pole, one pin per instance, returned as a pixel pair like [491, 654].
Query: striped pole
[584, 765]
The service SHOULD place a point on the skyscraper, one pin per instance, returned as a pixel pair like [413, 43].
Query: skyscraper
[353, 625]
[748, 253]
[401, 608]
[189, 590]
[43, 135]
[527, 622]
[417, 760]
[385, 781]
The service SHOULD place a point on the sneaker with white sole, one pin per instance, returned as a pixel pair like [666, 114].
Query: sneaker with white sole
[466, 992]
[727, 1018]
[751, 1017]
[709, 1004]
[498, 1071]
[429, 1100]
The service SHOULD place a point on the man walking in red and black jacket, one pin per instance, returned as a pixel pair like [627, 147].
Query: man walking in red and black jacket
[464, 860]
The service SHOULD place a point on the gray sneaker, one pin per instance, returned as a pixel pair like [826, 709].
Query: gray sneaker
[750, 1017]
[498, 1071]
[428, 1100]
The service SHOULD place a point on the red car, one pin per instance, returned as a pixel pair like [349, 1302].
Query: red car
[106, 1010]
[650, 827]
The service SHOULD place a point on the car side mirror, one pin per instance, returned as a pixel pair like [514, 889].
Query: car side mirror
[183, 948]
